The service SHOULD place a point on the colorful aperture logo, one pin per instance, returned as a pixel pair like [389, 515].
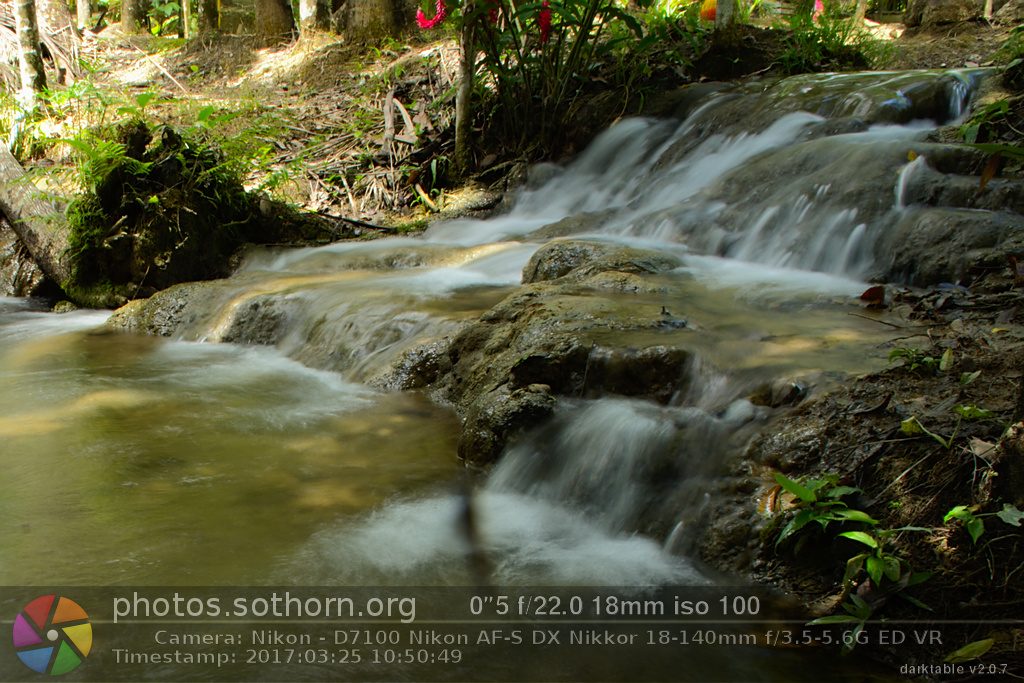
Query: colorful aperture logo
[52, 635]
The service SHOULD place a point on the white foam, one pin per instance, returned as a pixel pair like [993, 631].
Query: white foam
[526, 541]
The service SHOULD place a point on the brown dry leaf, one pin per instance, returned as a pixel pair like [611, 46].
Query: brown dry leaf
[981, 448]
[991, 170]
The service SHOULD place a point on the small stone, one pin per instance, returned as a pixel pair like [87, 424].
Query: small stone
[64, 307]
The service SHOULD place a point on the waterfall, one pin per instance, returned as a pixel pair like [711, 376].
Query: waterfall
[745, 230]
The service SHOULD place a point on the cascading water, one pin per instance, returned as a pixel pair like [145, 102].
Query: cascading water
[278, 462]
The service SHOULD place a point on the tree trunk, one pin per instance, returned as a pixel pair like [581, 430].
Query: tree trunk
[860, 11]
[725, 14]
[314, 15]
[463, 96]
[209, 16]
[185, 18]
[274, 21]
[30, 62]
[369, 21]
[987, 12]
[61, 38]
[83, 9]
[32, 219]
[133, 16]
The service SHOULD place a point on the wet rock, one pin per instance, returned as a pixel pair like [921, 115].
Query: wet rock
[781, 392]
[933, 245]
[1011, 13]
[929, 186]
[681, 102]
[166, 312]
[494, 419]
[928, 13]
[584, 258]
[561, 366]
[627, 282]
[261, 320]
[416, 368]
[658, 372]
[576, 342]
[568, 226]
[64, 307]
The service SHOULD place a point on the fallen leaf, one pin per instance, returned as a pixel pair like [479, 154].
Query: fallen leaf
[991, 170]
[970, 651]
[874, 296]
[1011, 515]
[980, 447]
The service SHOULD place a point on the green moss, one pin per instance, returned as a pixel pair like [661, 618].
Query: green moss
[163, 207]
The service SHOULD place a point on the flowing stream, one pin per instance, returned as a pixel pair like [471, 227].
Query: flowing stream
[269, 458]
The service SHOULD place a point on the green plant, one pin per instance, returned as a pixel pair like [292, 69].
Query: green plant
[163, 17]
[912, 426]
[888, 573]
[915, 359]
[813, 42]
[97, 158]
[880, 565]
[974, 522]
[818, 501]
[858, 612]
[976, 128]
[537, 58]
[136, 109]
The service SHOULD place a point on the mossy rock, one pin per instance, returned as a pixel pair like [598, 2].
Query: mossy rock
[166, 207]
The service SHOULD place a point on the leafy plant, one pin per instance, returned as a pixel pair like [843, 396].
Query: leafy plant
[972, 412]
[879, 565]
[819, 501]
[976, 128]
[858, 612]
[886, 571]
[914, 359]
[538, 57]
[912, 426]
[137, 108]
[98, 158]
[974, 522]
[815, 42]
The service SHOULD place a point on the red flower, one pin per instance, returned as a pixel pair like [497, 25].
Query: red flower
[492, 12]
[544, 21]
[708, 10]
[439, 16]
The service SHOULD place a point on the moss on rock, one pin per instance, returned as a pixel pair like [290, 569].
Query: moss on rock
[166, 206]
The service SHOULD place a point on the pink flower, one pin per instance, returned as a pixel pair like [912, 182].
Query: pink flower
[819, 7]
[439, 16]
[544, 21]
